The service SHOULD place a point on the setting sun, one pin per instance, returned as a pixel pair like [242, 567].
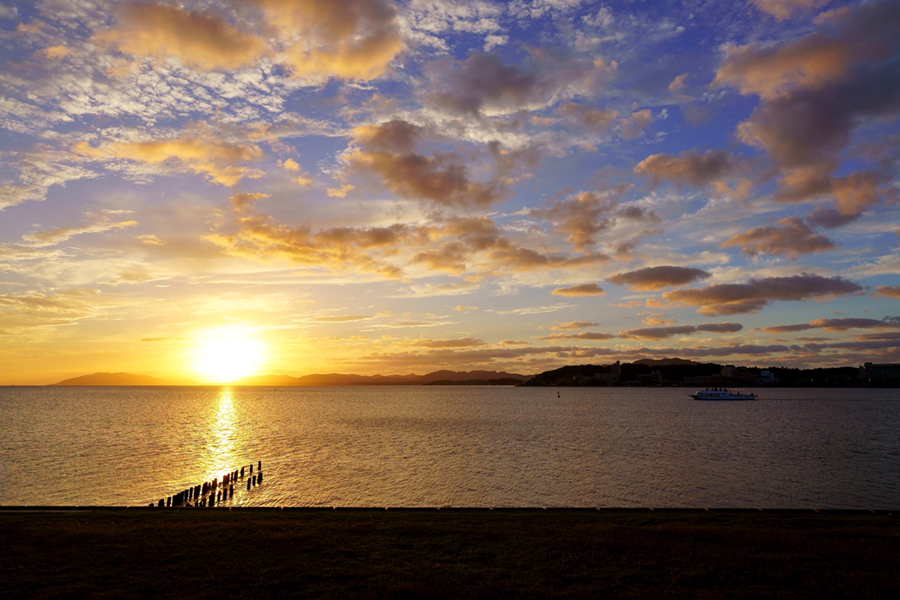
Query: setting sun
[228, 354]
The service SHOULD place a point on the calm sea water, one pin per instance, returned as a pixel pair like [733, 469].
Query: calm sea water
[458, 446]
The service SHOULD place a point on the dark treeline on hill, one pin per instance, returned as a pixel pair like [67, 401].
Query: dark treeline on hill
[676, 371]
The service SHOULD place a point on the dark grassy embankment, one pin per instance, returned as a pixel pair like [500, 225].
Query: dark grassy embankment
[266, 553]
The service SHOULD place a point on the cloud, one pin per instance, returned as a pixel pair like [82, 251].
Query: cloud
[689, 167]
[37, 173]
[785, 9]
[739, 298]
[677, 85]
[583, 335]
[580, 217]
[656, 278]
[584, 289]
[659, 333]
[816, 92]
[199, 151]
[514, 343]
[888, 291]
[451, 257]
[823, 216]
[244, 202]
[770, 71]
[482, 85]
[52, 237]
[573, 325]
[836, 325]
[790, 236]
[36, 310]
[457, 343]
[55, 52]
[656, 333]
[340, 192]
[632, 127]
[387, 152]
[592, 119]
[524, 259]
[341, 319]
[461, 308]
[338, 249]
[720, 327]
[349, 39]
[199, 41]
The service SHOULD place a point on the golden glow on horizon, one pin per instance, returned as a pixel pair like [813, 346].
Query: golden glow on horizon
[227, 354]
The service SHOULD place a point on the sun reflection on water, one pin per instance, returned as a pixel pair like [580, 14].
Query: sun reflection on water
[221, 457]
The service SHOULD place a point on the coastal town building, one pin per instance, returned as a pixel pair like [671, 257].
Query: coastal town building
[879, 374]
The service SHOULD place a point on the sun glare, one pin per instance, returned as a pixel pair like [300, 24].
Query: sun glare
[228, 354]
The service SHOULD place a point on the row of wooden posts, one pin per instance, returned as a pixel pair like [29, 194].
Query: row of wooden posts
[208, 493]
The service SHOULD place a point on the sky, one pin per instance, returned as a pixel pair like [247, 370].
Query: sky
[208, 190]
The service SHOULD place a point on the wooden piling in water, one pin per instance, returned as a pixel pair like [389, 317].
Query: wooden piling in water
[259, 477]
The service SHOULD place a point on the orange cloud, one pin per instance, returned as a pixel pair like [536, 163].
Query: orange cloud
[738, 298]
[785, 9]
[770, 71]
[573, 325]
[791, 236]
[457, 343]
[689, 167]
[197, 40]
[659, 333]
[583, 335]
[196, 153]
[340, 192]
[888, 291]
[580, 217]
[594, 119]
[54, 52]
[351, 39]
[836, 325]
[437, 178]
[584, 289]
[56, 236]
[633, 125]
[656, 278]
[244, 202]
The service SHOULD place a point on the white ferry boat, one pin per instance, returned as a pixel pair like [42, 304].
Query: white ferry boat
[722, 394]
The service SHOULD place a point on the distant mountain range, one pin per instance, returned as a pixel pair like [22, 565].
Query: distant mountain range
[100, 379]
[437, 377]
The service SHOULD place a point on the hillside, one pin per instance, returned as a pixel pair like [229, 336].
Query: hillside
[121, 379]
[455, 377]
[445, 377]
